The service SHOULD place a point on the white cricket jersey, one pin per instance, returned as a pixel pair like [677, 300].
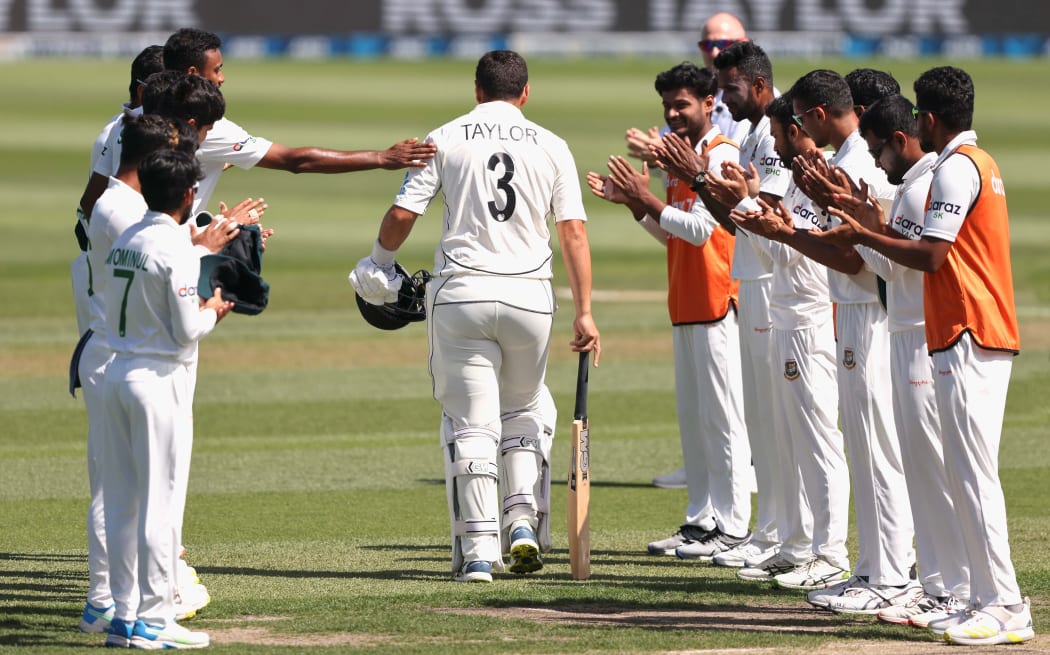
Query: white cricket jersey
[226, 143]
[501, 176]
[757, 149]
[853, 158]
[954, 191]
[904, 304]
[118, 208]
[695, 222]
[105, 156]
[152, 308]
[799, 295]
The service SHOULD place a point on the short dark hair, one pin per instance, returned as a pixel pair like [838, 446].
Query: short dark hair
[165, 175]
[188, 47]
[948, 92]
[867, 85]
[146, 63]
[150, 132]
[780, 110]
[824, 87]
[501, 74]
[701, 82]
[888, 115]
[748, 58]
[158, 87]
[193, 98]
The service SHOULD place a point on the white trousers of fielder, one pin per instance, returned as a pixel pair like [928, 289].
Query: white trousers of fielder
[814, 483]
[757, 376]
[708, 395]
[943, 568]
[881, 507]
[971, 385]
[145, 406]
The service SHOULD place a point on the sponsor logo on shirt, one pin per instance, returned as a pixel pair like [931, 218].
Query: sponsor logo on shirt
[187, 292]
[907, 227]
[940, 207]
[237, 147]
[807, 215]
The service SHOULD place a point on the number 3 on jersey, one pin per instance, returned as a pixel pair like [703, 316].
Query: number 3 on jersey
[503, 184]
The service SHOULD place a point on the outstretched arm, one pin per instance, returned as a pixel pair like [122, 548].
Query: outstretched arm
[410, 153]
[576, 253]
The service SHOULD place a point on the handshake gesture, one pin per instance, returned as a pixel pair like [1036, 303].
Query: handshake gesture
[377, 284]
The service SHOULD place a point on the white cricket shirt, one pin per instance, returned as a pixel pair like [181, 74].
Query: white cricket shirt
[853, 158]
[799, 289]
[152, 308]
[501, 176]
[226, 143]
[904, 303]
[118, 208]
[757, 149]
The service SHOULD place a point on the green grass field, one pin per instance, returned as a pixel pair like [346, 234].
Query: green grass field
[316, 514]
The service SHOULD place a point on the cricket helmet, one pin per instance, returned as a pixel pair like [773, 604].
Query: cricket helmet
[410, 306]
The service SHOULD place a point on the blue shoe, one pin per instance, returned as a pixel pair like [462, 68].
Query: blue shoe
[119, 633]
[173, 635]
[96, 619]
[475, 572]
[524, 549]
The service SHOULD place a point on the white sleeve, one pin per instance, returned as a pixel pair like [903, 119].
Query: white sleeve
[880, 264]
[956, 185]
[228, 143]
[421, 185]
[567, 201]
[189, 324]
[694, 226]
[104, 155]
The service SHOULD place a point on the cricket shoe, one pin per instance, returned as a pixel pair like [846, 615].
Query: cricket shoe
[993, 625]
[817, 573]
[524, 549]
[185, 574]
[477, 571]
[902, 614]
[190, 599]
[766, 570]
[714, 542]
[118, 634]
[96, 619]
[821, 598]
[873, 598]
[686, 534]
[744, 555]
[672, 480]
[949, 613]
[173, 635]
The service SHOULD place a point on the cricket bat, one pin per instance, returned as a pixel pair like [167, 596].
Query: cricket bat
[579, 496]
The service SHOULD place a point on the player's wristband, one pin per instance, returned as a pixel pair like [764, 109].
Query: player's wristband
[381, 256]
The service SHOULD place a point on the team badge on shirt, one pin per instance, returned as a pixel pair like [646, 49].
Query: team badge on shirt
[847, 358]
[791, 370]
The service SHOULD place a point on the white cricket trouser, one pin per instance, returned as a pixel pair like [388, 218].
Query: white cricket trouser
[757, 376]
[709, 401]
[144, 399]
[184, 443]
[880, 495]
[488, 360]
[971, 385]
[943, 568]
[94, 360]
[814, 486]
